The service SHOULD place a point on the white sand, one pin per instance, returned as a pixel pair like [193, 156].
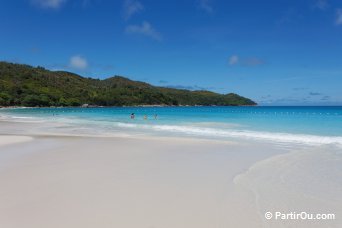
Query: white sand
[83, 182]
[10, 139]
[303, 181]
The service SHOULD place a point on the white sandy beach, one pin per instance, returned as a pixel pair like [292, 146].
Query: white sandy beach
[155, 182]
[10, 139]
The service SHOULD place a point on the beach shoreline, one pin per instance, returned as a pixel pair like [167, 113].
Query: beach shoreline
[147, 181]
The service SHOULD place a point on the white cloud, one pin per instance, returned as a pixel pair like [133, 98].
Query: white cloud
[247, 62]
[78, 62]
[233, 60]
[131, 7]
[52, 4]
[145, 29]
[206, 6]
[339, 17]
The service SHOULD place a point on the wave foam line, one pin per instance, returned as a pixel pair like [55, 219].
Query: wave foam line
[273, 136]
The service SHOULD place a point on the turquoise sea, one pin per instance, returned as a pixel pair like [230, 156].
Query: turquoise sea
[310, 125]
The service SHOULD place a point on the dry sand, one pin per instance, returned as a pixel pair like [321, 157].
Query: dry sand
[10, 139]
[81, 182]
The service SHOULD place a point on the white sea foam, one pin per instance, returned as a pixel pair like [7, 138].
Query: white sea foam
[186, 129]
[129, 125]
[8, 117]
[21, 117]
[27, 119]
[231, 133]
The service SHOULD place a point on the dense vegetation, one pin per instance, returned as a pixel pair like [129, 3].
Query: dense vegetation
[23, 85]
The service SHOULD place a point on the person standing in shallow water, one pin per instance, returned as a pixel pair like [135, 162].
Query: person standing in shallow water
[132, 116]
[155, 116]
[145, 117]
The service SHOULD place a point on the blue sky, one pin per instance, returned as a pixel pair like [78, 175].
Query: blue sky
[277, 52]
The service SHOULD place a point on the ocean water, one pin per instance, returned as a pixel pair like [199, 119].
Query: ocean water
[307, 125]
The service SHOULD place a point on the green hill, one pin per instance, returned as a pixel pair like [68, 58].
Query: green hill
[24, 85]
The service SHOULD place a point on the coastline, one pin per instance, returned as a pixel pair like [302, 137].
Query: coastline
[147, 181]
[126, 106]
[71, 122]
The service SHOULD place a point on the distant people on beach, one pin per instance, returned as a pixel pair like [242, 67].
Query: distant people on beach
[145, 117]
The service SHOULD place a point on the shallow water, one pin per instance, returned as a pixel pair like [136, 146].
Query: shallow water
[308, 125]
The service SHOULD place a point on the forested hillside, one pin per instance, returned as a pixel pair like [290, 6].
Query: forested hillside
[24, 85]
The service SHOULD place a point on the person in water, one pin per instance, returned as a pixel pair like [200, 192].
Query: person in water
[155, 116]
[132, 116]
[145, 117]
